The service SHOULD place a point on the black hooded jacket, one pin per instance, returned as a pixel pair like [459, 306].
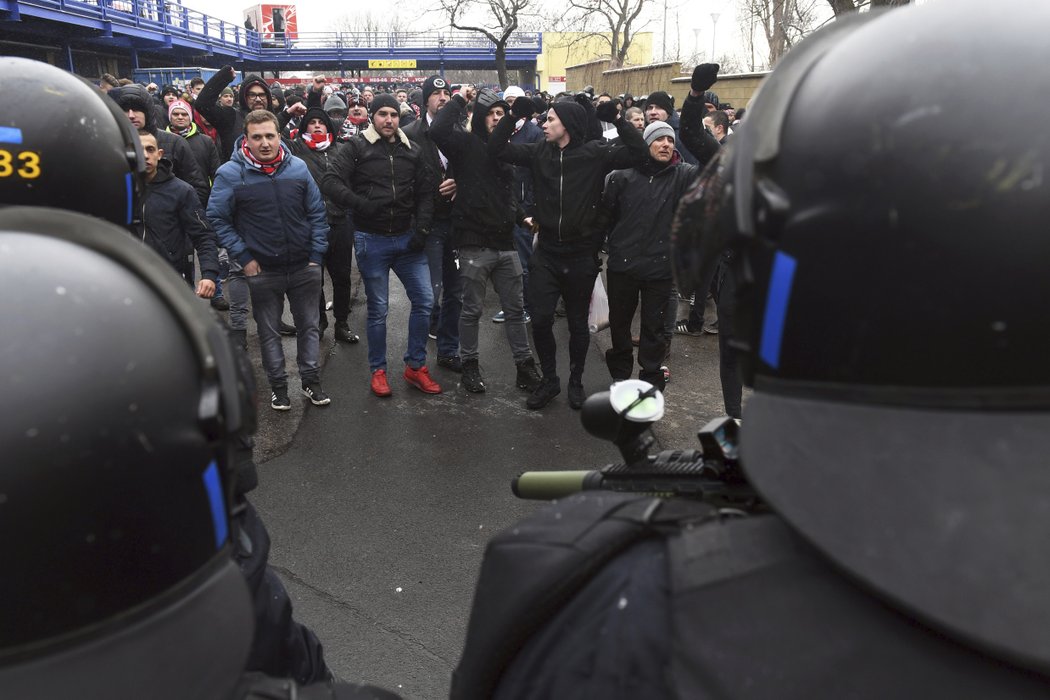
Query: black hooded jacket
[568, 182]
[174, 222]
[183, 162]
[319, 162]
[418, 131]
[485, 209]
[229, 121]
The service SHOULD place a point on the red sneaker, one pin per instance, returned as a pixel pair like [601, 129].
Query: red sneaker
[380, 387]
[420, 379]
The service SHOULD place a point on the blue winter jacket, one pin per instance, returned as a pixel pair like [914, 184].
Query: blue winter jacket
[277, 220]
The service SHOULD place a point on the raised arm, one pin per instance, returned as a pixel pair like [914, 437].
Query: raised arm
[443, 129]
[695, 137]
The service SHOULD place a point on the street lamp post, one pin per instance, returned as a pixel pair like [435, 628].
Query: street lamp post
[696, 43]
[714, 33]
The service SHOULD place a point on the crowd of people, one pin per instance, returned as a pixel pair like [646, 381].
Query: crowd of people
[451, 187]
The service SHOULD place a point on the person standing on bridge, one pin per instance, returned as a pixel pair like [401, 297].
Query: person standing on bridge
[383, 179]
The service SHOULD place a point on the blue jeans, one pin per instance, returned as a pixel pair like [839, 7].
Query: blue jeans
[447, 286]
[268, 289]
[376, 256]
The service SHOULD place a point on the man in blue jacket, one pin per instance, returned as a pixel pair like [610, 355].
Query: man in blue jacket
[271, 219]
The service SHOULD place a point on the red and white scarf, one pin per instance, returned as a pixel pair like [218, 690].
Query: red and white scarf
[317, 142]
[267, 168]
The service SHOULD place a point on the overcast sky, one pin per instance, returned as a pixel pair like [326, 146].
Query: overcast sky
[683, 17]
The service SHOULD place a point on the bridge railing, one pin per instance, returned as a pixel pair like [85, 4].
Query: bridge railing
[177, 20]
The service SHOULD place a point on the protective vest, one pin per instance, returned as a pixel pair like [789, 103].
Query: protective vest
[748, 610]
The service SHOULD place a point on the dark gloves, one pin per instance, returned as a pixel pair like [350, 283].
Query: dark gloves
[522, 108]
[608, 111]
[419, 239]
[704, 76]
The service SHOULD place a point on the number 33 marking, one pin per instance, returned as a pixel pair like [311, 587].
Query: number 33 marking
[29, 161]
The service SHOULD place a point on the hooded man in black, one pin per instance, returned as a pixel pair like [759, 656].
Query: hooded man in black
[138, 104]
[568, 173]
[229, 121]
[483, 218]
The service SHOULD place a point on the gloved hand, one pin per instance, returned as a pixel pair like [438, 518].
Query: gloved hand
[522, 108]
[419, 240]
[704, 76]
[608, 111]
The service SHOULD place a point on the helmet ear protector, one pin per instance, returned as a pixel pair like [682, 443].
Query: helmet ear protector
[224, 408]
[741, 209]
[134, 155]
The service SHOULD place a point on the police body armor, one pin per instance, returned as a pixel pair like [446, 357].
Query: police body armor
[625, 596]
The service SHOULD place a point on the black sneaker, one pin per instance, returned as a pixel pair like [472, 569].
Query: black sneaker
[472, 380]
[316, 394]
[544, 393]
[528, 376]
[682, 328]
[322, 324]
[344, 334]
[220, 304]
[576, 395]
[286, 328]
[451, 362]
[279, 400]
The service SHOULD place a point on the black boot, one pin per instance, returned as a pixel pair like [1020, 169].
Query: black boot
[544, 393]
[472, 380]
[344, 334]
[576, 394]
[322, 324]
[528, 376]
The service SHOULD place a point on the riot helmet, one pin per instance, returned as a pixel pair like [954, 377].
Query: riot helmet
[64, 144]
[116, 483]
[890, 313]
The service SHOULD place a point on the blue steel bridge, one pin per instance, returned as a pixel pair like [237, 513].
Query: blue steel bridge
[151, 33]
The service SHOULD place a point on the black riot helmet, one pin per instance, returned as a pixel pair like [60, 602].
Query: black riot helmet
[64, 144]
[120, 399]
[891, 317]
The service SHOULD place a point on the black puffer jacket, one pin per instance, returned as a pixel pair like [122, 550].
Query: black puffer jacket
[568, 182]
[485, 209]
[387, 186]
[319, 162]
[174, 222]
[204, 151]
[418, 131]
[639, 205]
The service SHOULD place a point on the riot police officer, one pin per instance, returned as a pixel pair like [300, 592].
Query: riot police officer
[890, 320]
[126, 535]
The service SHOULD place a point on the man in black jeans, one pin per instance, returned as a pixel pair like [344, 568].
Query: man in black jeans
[569, 173]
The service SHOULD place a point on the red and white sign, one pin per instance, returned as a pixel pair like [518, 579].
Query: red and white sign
[274, 22]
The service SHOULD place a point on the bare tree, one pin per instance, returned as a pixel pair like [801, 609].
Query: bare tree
[501, 20]
[615, 22]
[841, 7]
[370, 30]
[783, 22]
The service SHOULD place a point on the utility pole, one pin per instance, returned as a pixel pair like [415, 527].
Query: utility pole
[714, 33]
[664, 52]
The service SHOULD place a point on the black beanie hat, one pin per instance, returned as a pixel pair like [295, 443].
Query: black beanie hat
[574, 117]
[315, 113]
[540, 104]
[434, 82]
[383, 100]
[662, 100]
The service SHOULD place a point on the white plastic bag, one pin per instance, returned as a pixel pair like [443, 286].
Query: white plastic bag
[598, 318]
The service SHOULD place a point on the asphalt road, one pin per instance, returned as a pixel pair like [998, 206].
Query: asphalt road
[380, 509]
